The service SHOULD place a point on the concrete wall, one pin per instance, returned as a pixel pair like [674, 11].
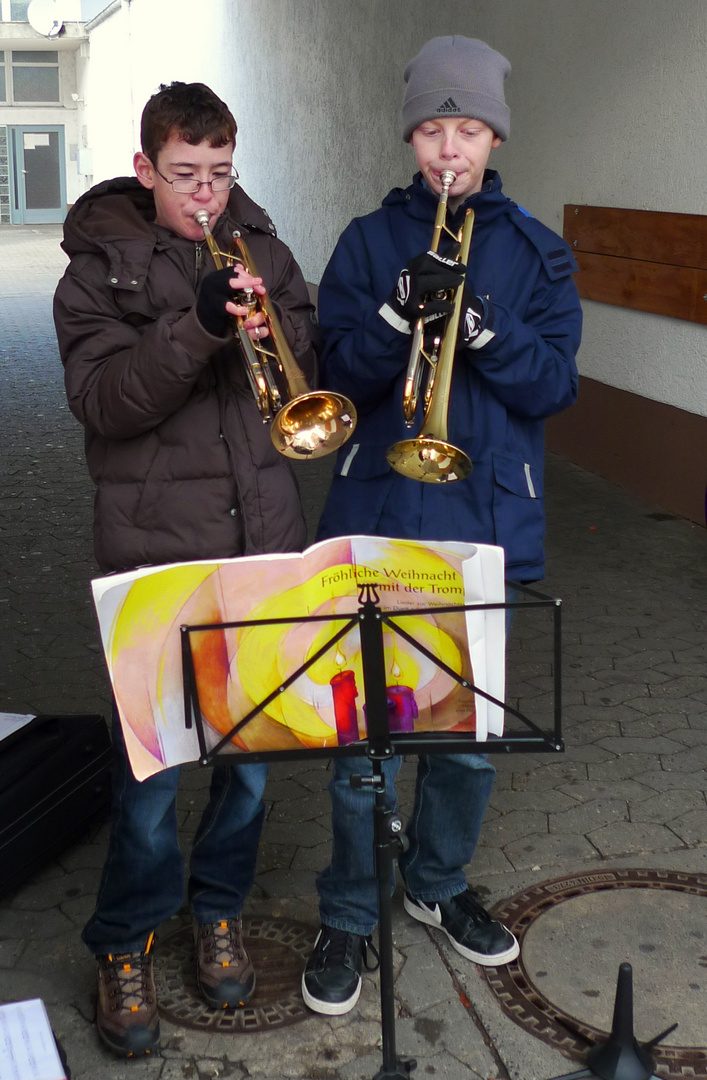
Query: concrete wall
[609, 99]
[134, 47]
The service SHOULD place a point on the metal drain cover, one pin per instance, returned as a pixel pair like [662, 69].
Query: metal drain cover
[574, 933]
[278, 949]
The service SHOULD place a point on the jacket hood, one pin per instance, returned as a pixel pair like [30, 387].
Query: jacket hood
[117, 218]
[421, 203]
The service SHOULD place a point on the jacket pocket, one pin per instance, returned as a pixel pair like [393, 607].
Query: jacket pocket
[518, 510]
[517, 476]
[362, 462]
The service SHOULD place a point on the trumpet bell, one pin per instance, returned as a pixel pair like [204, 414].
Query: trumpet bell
[313, 425]
[431, 460]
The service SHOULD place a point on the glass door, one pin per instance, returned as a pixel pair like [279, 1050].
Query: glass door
[38, 184]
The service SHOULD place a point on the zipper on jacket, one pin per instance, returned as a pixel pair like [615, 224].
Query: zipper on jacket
[198, 261]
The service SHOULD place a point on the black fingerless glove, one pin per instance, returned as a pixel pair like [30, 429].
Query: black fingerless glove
[476, 321]
[214, 294]
[414, 295]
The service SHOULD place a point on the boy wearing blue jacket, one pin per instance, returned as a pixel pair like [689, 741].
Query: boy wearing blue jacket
[514, 366]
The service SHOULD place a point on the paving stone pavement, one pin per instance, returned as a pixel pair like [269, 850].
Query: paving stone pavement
[629, 791]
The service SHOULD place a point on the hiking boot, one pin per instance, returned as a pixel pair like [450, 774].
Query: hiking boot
[224, 973]
[126, 1010]
[331, 983]
[469, 927]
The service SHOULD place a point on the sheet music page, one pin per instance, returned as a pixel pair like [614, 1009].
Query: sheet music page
[236, 630]
[27, 1047]
[11, 722]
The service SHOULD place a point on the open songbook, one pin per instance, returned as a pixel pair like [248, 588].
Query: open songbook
[236, 668]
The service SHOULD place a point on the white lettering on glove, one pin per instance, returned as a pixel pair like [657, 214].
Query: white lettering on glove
[402, 292]
[472, 324]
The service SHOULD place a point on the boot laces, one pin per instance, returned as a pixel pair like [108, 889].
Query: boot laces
[226, 944]
[129, 974]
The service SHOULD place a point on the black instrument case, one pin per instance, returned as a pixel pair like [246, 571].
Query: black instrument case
[54, 784]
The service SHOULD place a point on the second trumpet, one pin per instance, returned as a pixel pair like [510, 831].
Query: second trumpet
[429, 456]
[309, 423]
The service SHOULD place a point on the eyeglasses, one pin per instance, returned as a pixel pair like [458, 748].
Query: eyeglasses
[185, 186]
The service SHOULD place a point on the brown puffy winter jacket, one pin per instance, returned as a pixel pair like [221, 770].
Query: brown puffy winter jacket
[183, 464]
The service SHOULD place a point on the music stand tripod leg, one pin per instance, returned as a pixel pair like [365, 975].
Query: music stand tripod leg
[388, 839]
[388, 835]
[387, 826]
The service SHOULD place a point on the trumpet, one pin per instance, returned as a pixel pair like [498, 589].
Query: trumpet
[429, 456]
[310, 423]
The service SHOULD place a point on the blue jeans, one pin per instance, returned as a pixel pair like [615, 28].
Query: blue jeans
[451, 795]
[442, 832]
[143, 877]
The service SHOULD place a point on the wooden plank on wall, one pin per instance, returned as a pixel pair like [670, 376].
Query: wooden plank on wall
[648, 235]
[680, 292]
[641, 259]
[654, 450]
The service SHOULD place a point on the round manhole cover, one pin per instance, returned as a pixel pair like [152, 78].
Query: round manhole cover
[278, 949]
[574, 934]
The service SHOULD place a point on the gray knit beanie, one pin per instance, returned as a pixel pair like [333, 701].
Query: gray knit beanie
[456, 76]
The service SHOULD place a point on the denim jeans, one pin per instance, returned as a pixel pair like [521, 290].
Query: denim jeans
[143, 877]
[442, 832]
[451, 795]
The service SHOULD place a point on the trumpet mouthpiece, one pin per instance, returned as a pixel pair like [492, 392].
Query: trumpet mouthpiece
[201, 217]
[447, 177]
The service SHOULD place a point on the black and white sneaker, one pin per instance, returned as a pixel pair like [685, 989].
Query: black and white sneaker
[331, 983]
[469, 927]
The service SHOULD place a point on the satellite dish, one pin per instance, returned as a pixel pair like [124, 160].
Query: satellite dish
[43, 16]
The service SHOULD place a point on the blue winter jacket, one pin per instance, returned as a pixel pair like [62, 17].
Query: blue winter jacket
[501, 393]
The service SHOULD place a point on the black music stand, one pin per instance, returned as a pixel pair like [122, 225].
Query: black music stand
[621, 1056]
[381, 744]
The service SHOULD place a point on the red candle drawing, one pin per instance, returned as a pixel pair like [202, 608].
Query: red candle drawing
[343, 687]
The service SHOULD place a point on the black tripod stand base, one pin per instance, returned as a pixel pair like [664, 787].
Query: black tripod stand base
[629, 1062]
[401, 1070]
[621, 1057]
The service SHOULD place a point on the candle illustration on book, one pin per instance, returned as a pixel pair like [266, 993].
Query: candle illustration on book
[402, 708]
[262, 654]
[343, 688]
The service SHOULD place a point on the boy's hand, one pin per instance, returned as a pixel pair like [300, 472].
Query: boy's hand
[215, 292]
[218, 300]
[476, 321]
[414, 295]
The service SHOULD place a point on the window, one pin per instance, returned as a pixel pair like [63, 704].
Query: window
[3, 88]
[35, 77]
[14, 10]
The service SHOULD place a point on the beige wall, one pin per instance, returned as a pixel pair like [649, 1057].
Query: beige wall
[609, 99]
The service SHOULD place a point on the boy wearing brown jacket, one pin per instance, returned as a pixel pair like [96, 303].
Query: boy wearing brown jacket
[184, 469]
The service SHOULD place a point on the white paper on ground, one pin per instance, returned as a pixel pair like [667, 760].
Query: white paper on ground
[27, 1047]
[11, 722]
